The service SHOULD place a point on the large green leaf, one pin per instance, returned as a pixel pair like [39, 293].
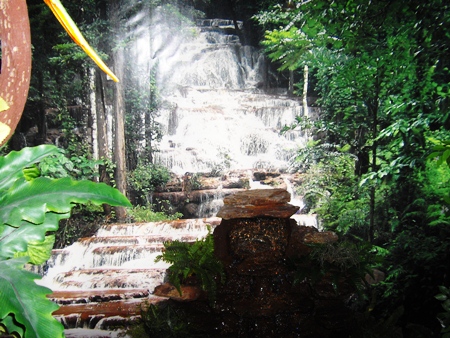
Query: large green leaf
[30, 200]
[16, 239]
[21, 296]
[12, 165]
[38, 251]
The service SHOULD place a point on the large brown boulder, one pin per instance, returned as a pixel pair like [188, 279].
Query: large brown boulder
[258, 203]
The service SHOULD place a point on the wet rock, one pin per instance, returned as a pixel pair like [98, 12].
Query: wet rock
[79, 315]
[191, 209]
[188, 292]
[284, 211]
[87, 296]
[321, 237]
[258, 197]
[376, 277]
[258, 203]
[297, 246]
[260, 239]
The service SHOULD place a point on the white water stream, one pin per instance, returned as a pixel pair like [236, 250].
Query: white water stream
[215, 113]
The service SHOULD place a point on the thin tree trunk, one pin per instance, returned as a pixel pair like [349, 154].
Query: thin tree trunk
[119, 133]
[291, 83]
[119, 113]
[148, 114]
[305, 91]
[42, 119]
[374, 110]
[102, 135]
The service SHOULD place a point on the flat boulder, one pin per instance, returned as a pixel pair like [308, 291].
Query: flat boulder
[188, 292]
[258, 203]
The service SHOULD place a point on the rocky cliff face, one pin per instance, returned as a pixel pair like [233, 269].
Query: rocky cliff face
[260, 247]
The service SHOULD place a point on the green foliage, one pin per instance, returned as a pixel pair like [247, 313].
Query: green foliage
[193, 260]
[342, 260]
[417, 262]
[313, 153]
[382, 79]
[162, 320]
[30, 210]
[146, 178]
[77, 167]
[91, 216]
[441, 151]
[444, 317]
[146, 214]
[330, 188]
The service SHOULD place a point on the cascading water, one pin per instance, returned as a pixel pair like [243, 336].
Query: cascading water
[101, 279]
[215, 112]
[217, 115]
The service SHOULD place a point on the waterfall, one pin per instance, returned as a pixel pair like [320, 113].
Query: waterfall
[214, 112]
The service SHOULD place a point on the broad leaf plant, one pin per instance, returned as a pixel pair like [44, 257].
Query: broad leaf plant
[31, 207]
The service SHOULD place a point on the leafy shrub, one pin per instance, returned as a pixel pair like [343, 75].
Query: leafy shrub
[77, 167]
[343, 259]
[91, 216]
[146, 214]
[146, 178]
[313, 153]
[331, 190]
[444, 317]
[193, 260]
[162, 320]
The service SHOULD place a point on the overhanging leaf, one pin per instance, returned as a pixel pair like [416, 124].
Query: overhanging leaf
[12, 165]
[38, 251]
[30, 200]
[21, 296]
[15, 239]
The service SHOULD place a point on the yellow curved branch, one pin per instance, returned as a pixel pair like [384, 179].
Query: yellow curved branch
[72, 29]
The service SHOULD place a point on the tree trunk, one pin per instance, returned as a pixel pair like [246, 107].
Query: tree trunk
[374, 112]
[119, 113]
[291, 83]
[41, 117]
[119, 133]
[149, 111]
[102, 135]
[305, 91]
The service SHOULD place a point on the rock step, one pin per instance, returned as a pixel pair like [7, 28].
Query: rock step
[84, 333]
[64, 297]
[133, 240]
[195, 226]
[103, 315]
[108, 256]
[137, 248]
[102, 278]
